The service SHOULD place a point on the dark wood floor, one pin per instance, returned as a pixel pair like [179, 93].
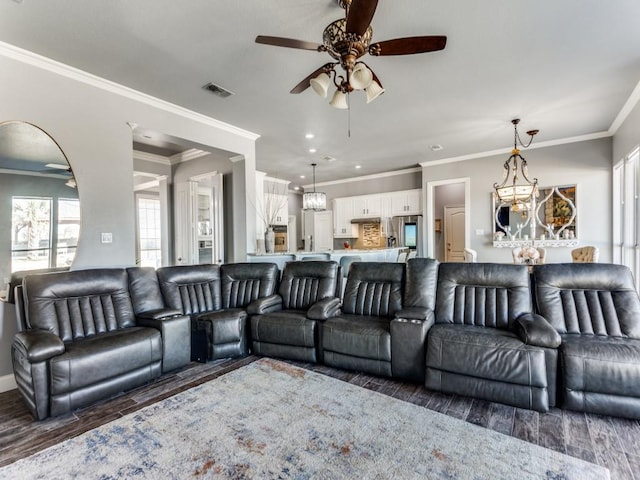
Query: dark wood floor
[608, 441]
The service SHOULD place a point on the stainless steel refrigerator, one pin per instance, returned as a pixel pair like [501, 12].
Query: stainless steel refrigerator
[407, 231]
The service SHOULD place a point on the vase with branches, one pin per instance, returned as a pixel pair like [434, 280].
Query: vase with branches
[273, 201]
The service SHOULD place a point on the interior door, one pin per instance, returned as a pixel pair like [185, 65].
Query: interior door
[454, 233]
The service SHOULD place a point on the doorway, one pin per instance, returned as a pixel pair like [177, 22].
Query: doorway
[441, 193]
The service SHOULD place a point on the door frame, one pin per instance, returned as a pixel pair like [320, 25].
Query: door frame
[430, 214]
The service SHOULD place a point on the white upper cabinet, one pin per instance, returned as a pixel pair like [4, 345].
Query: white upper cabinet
[277, 208]
[406, 202]
[365, 206]
[342, 215]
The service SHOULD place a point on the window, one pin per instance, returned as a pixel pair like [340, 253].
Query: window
[149, 251]
[44, 233]
[626, 176]
[30, 233]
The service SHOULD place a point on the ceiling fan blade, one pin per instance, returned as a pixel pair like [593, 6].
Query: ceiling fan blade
[287, 42]
[408, 45]
[304, 84]
[360, 15]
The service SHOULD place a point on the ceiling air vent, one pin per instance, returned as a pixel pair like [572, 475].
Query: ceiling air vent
[218, 90]
[328, 158]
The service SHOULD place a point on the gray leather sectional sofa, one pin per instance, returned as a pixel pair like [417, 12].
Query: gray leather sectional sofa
[566, 335]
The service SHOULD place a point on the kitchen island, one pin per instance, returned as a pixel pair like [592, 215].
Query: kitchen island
[367, 255]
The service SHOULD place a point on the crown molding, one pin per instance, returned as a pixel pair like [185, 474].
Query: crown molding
[373, 176]
[39, 61]
[187, 155]
[151, 157]
[501, 151]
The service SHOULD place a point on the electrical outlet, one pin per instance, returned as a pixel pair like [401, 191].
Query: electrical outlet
[106, 237]
[479, 232]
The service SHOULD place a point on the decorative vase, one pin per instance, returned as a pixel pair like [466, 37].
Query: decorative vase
[269, 240]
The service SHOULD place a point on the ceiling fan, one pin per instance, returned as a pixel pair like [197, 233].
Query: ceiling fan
[346, 40]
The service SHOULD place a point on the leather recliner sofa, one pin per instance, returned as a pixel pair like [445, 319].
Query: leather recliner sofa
[84, 342]
[596, 310]
[486, 342]
[216, 298]
[375, 333]
[285, 325]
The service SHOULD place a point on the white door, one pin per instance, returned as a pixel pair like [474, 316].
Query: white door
[454, 234]
[186, 238]
[292, 234]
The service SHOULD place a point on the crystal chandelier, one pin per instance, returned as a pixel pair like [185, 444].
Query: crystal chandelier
[513, 191]
[314, 200]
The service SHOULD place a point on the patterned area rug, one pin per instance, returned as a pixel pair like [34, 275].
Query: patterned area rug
[272, 420]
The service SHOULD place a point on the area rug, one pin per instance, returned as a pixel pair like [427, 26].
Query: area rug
[273, 420]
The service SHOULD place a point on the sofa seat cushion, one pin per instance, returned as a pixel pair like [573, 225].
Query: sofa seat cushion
[285, 327]
[359, 336]
[100, 357]
[600, 364]
[486, 353]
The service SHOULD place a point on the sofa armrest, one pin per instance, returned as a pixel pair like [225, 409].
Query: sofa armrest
[158, 314]
[175, 331]
[259, 306]
[324, 308]
[409, 343]
[415, 313]
[38, 345]
[533, 329]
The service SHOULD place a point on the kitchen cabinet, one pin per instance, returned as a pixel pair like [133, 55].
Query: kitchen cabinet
[406, 202]
[365, 206]
[342, 215]
[277, 207]
[318, 231]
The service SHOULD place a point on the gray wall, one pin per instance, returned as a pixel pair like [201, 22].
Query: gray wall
[365, 185]
[90, 125]
[587, 164]
[627, 137]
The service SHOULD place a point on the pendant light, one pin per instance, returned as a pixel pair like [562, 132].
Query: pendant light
[314, 200]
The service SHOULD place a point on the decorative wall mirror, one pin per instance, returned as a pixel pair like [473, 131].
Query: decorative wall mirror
[550, 220]
[39, 205]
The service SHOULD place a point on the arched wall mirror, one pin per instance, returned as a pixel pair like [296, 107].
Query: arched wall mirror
[39, 204]
[549, 220]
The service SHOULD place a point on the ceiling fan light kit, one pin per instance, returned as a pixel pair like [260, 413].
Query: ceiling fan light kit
[346, 40]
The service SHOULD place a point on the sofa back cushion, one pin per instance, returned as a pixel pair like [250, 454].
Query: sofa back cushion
[588, 299]
[304, 283]
[482, 294]
[78, 303]
[242, 283]
[192, 289]
[144, 289]
[374, 289]
[421, 283]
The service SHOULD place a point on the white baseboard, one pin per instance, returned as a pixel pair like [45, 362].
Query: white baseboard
[7, 382]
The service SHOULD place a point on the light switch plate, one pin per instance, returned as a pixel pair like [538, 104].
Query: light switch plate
[479, 232]
[107, 237]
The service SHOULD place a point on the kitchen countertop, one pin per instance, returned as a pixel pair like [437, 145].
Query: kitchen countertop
[371, 255]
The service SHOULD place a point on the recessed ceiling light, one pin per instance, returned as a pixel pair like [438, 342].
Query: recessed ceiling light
[301, 176]
[312, 150]
[358, 166]
[296, 188]
[309, 136]
[436, 148]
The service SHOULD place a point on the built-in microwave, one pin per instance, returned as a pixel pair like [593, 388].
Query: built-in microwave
[280, 238]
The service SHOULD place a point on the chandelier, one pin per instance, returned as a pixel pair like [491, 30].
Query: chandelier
[314, 200]
[513, 191]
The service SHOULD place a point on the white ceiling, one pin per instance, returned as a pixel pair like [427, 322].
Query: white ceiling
[566, 67]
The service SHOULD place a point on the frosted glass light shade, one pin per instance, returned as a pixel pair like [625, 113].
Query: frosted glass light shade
[339, 100]
[373, 91]
[361, 77]
[320, 84]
